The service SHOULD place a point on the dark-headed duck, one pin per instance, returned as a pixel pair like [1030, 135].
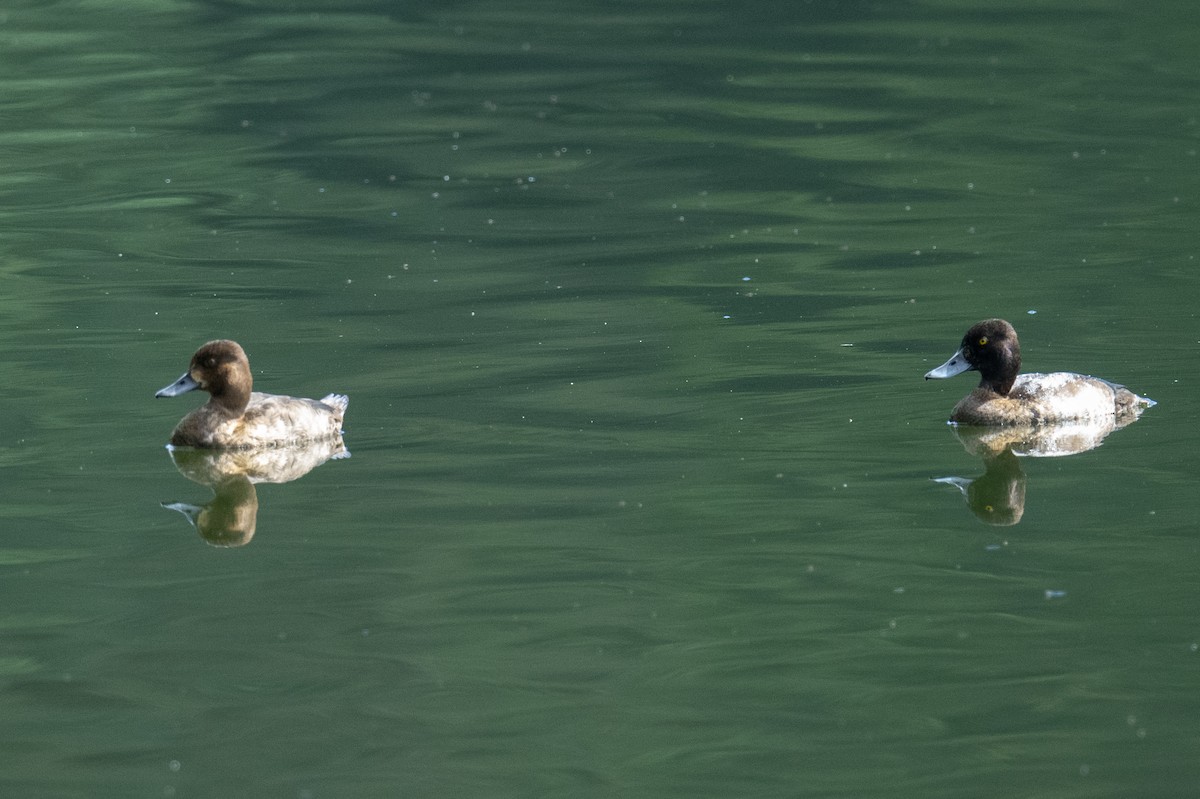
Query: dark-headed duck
[236, 417]
[1005, 397]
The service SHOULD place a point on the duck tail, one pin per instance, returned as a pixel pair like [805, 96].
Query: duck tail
[338, 401]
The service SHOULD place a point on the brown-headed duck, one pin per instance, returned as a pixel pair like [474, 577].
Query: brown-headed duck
[235, 417]
[1005, 397]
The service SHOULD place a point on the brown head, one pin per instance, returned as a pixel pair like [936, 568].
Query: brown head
[222, 369]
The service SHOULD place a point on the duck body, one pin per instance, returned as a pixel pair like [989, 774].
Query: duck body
[1046, 399]
[269, 420]
[236, 417]
[1005, 397]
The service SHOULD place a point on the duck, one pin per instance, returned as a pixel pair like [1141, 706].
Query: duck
[1006, 397]
[237, 417]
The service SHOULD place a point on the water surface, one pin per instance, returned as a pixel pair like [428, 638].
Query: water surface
[632, 302]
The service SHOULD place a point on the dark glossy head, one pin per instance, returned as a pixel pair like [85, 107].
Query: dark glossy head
[991, 348]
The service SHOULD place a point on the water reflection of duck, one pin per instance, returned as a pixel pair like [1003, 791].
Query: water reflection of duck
[998, 495]
[271, 465]
[230, 518]
[1005, 397]
[236, 417]
[1037, 441]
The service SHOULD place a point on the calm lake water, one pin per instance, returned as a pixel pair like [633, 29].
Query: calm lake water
[632, 302]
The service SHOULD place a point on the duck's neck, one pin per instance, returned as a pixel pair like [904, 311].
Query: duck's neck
[232, 401]
[1003, 375]
[1004, 386]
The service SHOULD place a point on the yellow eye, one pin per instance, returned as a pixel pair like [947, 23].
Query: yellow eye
[983, 340]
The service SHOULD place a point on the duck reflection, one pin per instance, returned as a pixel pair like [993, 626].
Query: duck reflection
[998, 495]
[230, 517]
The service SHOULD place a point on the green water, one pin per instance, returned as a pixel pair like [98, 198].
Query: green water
[632, 303]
